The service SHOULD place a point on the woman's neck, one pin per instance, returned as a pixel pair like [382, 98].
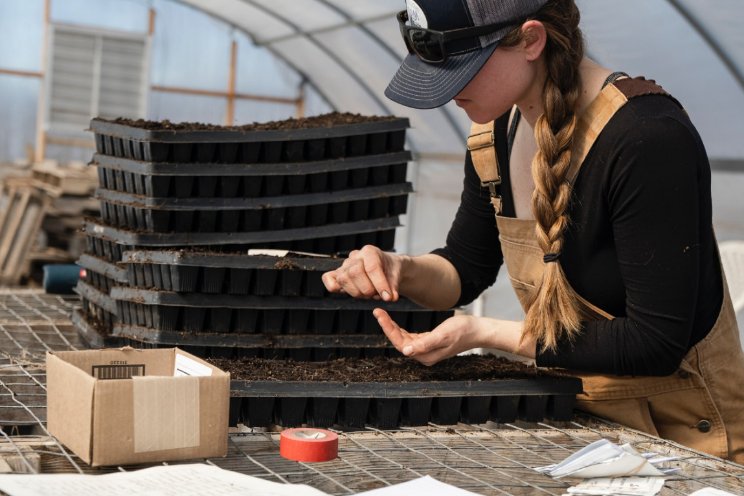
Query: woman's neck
[592, 77]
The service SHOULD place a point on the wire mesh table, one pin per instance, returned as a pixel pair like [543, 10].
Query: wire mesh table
[488, 459]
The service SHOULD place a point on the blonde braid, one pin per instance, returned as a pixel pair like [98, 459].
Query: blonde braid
[554, 311]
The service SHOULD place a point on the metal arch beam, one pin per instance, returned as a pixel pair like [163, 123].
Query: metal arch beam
[710, 41]
[332, 27]
[351, 73]
[329, 53]
[278, 55]
[447, 114]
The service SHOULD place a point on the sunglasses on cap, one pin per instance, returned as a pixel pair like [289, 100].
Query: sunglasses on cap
[430, 45]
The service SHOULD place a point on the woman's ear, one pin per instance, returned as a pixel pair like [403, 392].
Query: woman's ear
[534, 39]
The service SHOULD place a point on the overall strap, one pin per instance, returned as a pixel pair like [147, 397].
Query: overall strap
[482, 147]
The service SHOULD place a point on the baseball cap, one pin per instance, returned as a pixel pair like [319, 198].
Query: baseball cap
[449, 41]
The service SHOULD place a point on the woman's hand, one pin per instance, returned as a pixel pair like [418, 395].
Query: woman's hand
[455, 335]
[367, 273]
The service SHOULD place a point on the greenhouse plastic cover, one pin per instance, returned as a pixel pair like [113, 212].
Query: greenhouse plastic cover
[349, 49]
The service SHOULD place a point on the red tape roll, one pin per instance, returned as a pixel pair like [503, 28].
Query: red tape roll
[305, 444]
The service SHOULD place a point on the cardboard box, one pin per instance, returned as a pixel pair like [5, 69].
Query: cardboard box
[125, 406]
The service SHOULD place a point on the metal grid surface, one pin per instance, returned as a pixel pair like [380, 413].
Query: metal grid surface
[31, 323]
[490, 459]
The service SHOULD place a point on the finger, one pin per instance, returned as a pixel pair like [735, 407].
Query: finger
[357, 275]
[375, 270]
[397, 336]
[330, 282]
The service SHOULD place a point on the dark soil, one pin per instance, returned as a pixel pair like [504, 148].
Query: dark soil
[325, 120]
[380, 369]
[285, 264]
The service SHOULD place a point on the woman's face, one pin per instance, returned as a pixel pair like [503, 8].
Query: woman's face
[509, 77]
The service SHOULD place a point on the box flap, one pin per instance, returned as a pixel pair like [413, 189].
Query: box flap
[70, 396]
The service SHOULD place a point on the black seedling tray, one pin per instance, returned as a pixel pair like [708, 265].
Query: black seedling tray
[104, 320]
[205, 313]
[101, 274]
[233, 340]
[235, 215]
[392, 404]
[99, 246]
[228, 273]
[294, 347]
[248, 146]
[99, 309]
[328, 239]
[94, 333]
[249, 180]
[85, 290]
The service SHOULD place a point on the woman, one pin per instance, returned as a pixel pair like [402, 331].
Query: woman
[601, 188]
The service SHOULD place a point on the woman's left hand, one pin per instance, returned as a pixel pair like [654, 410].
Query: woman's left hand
[455, 335]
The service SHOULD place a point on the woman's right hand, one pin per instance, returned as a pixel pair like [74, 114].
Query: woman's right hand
[367, 273]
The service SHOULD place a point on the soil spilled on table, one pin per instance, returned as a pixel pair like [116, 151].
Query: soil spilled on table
[381, 369]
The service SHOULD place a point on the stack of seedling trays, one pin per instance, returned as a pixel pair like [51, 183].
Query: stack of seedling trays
[251, 305]
[326, 184]
[98, 315]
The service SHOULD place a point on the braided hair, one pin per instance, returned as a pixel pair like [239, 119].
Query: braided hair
[554, 311]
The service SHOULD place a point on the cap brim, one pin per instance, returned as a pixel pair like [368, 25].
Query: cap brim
[424, 86]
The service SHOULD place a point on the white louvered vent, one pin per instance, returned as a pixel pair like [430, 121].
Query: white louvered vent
[93, 73]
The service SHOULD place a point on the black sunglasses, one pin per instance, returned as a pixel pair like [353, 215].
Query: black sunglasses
[429, 44]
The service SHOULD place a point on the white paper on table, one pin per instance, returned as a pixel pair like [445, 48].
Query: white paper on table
[603, 459]
[622, 486]
[283, 253]
[710, 491]
[165, 480]
[423, 485]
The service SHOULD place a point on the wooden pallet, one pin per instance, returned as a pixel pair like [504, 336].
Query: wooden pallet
[23, 205]
[77, 181]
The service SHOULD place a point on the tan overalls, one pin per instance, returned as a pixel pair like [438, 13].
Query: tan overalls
[702, 404]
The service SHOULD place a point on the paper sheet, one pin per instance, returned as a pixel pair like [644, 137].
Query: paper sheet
[623, 486]
[424, 485]
[283, 253]
[170, 480]
[603, 459]
[185, 366]
[709, 491]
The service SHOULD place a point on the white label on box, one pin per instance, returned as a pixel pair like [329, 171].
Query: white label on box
[185, 366]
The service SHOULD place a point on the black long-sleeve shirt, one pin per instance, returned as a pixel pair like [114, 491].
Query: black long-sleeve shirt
[640, 244]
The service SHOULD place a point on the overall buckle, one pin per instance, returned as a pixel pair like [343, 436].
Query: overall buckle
[482, 140]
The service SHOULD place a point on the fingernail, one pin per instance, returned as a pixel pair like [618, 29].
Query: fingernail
[385, 295]
[408, 350]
